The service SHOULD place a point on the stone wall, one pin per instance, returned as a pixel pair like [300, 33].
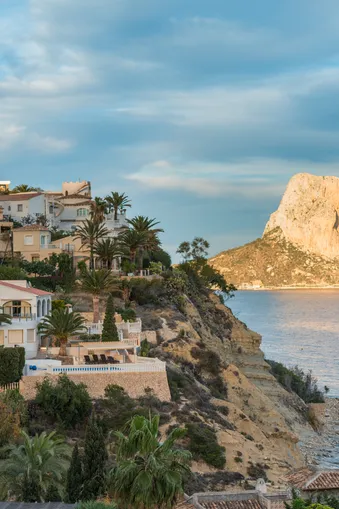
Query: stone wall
[150, 335]
[133, 383]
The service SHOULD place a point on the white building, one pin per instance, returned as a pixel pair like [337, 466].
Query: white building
[64, 210]
[27, 306]
[19, 205]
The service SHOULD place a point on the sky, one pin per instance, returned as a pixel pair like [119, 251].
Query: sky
[200, 111]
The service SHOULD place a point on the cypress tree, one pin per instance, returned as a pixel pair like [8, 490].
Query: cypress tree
[109, 329]
[74, 478]
[94, 461]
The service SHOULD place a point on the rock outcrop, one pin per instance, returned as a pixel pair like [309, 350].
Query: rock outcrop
[308, 214]
[263, 419]
[300, 244]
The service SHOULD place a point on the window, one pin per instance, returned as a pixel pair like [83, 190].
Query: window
[42, 240]
[15, 337]
[43, 312]
[20, 208]
[28, 240]
[39, 309]
[35, 258]
[30, 336]
[9, 208]
[82, 212]
[51, 209]
[18, 308]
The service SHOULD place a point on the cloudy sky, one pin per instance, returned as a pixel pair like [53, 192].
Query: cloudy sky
[199, 110]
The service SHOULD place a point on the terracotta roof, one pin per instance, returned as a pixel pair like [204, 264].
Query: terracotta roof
[19, 196]
[250, 503]
[310, 480]
[298, 478]
[32, 227]
[33, 291]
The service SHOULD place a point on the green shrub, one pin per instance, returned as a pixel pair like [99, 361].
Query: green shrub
[12, 362]
[17, 404]
[296, 380]
[208, 360]
[67, 402]
[145, 348]
[257, 471]
[128, 314]
[7, 272]
[204, 445]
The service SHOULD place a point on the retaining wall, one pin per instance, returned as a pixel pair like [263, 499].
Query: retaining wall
[133, 383]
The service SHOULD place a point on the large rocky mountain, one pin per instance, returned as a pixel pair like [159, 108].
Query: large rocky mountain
[300, 244]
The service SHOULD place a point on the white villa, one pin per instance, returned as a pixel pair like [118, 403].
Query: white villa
[65, 209]
[27, 306]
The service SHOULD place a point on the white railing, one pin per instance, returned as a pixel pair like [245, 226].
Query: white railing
[9, 387]
[156, 366]
[130, 327]
[27, 318]
[109, 345]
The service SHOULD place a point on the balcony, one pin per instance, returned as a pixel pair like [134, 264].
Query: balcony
[23, 317]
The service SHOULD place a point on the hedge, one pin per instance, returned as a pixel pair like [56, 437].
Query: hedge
[12, 362]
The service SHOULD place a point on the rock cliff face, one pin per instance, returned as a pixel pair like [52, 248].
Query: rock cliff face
[263, 419]
[308, 214]
[300, 244]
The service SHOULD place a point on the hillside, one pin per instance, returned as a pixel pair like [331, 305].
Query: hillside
[300, 243]
[218, 377]
[273, 261]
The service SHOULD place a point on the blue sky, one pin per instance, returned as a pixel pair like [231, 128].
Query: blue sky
[200, 111]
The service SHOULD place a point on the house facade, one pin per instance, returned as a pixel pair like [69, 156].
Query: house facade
[19, 205]
[26, 306]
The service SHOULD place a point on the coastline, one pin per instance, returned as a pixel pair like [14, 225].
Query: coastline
[281, 288]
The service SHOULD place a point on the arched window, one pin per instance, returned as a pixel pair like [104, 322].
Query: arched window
[39, 309]
[48, 306]
[18, 308]
[82, 212]
[43, 308]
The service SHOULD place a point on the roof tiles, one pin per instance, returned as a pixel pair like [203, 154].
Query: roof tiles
[33, 291]
[232, 504]
[308, 479]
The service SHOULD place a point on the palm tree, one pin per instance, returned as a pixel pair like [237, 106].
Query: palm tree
[96, 282]
[34, 466]
[98, 210]
[134, 241]
[61, 324]
[149, 472]
[145, 225]
[108, 249]
[117, 201]
[4, 317]
[89, 233]
[24, 188]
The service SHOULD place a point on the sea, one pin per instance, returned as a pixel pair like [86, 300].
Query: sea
[298, 327]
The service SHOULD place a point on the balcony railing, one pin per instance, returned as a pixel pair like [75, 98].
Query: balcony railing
[130, 327]
[23, 318]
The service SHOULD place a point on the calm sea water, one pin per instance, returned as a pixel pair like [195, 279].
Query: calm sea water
[298, 327]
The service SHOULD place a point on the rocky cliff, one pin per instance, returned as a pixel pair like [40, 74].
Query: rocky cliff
[219, 377]
[308, 214]
[300, 244]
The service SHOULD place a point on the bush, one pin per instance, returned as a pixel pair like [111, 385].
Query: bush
[128, 314]
[257, 471]
[204, 445]
[17, 404]
[296, 380]
[12, 362]
[208, 360]
[95, 505]
[67, 402]
[7, 272]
